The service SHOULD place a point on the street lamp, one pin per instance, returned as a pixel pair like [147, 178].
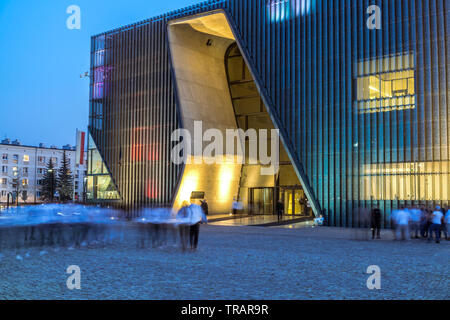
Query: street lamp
[52, 185]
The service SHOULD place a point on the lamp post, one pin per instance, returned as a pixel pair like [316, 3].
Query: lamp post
[52, 185]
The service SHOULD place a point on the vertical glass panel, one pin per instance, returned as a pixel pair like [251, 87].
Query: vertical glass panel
[288, 202]
[106, 189]
[298, 197]
[90, 188]
[411, 87]
[100, 185]
[97, 162]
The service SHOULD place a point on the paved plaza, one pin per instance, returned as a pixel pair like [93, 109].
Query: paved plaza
[236, 263]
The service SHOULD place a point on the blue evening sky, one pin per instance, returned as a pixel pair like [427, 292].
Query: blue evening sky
[43, 98]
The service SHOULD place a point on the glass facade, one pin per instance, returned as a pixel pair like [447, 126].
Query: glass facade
[363, 113]
[100, 185]
[132, 114]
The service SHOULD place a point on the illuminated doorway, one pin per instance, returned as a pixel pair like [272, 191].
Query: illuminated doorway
[216, 87]
[262, 201]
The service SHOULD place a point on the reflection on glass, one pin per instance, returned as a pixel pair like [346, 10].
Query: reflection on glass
[288, 202]
[297, 202]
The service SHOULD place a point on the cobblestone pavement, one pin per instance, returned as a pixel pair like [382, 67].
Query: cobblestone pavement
[237, 263]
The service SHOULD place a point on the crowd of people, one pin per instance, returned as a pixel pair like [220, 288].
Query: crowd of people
[157, 226]
[56, 225]
[421, 223]
[413, 223]
[74, 226]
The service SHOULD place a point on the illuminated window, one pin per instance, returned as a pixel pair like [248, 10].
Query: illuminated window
[100, 185]
[280, 10]
[4, 181]
[416, 181]
[26, 158]
[98, 90]
[99, 51]
[99, 58]
[386, 84]
[24, 182]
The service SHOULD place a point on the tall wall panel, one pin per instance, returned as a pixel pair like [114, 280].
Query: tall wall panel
[136, 113]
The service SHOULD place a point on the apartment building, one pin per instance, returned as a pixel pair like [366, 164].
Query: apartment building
[26, 165]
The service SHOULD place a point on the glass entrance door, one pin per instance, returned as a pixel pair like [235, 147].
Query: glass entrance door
[261, 201]
[294, 200]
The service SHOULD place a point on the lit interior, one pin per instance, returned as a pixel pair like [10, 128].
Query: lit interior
[386, 84]
[100, 185]
[410, 181]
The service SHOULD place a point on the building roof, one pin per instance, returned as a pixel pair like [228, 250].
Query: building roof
[36, 147]
[166, 16]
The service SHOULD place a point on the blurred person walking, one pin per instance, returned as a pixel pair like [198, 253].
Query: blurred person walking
[375, 222]
[416, 215]
[362, 224]
[394, 223]
[196, 219]
[235, 206]
[183, 217]
[436, 223]
[402, 223]
[447, 223]
[429, 215]
[443, 224]
[424, 223]
[204, 206]
[280, 209]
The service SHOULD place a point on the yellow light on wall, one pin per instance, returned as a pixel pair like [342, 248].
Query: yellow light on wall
[226, 177]
[188, 184]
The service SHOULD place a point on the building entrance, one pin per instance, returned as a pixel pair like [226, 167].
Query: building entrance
[295, 201]
[228, 98]
[262, 201]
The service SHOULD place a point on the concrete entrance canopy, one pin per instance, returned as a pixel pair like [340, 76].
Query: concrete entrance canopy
[198, 46]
